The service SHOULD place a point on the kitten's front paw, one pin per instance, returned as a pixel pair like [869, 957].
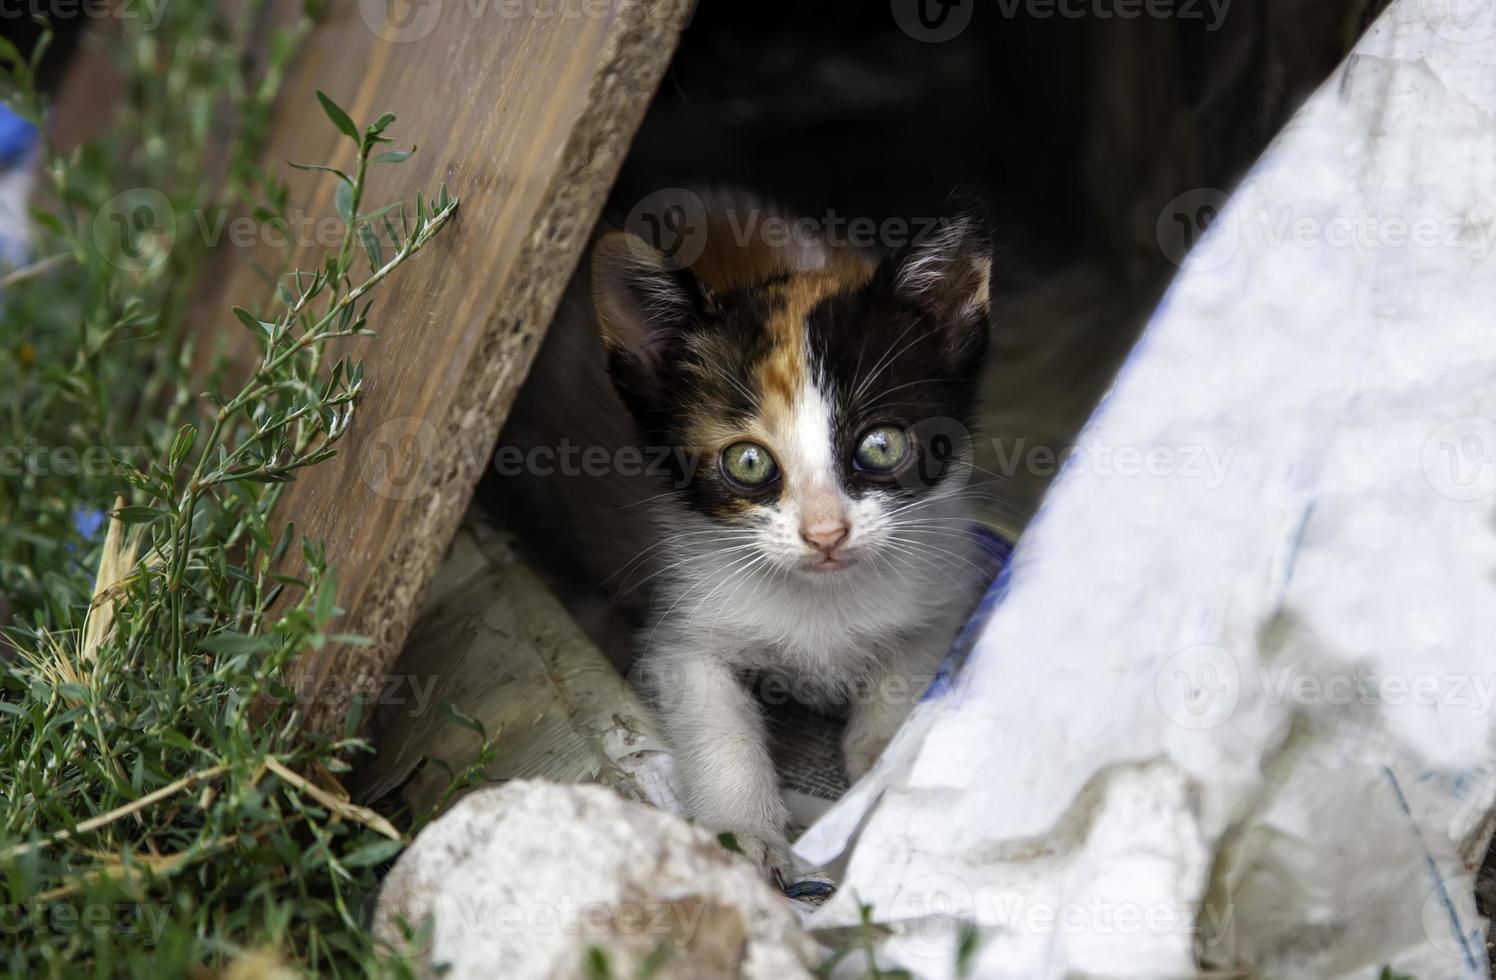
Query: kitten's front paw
[770, 855]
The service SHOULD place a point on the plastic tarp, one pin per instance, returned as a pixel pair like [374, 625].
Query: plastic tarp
[1238, 717]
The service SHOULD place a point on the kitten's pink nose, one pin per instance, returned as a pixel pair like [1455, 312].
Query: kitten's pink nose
[824, 535]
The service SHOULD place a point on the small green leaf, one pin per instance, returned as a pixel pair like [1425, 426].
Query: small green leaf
[464, 720]
[654, 962]
[327, 600]
[966, 949]
[138, 515]
[260, 327]
[371, 246]
[355, 716]
[10, 53]
[597, 964]
[371, 854]
[394, 156]
[344, 200]
[42, 44]
[140, 481]
[182, 444]
[377, 212]
[234, 643]
[317, 166]
[339, 118]
[391, 232]
[381, 124]
[351, 639]
[47, 220]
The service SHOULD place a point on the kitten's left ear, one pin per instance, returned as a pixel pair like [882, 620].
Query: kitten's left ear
[947, 271]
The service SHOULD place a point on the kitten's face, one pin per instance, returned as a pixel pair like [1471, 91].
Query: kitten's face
[825, 409]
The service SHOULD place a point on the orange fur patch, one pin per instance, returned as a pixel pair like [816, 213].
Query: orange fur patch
[737, 252]
[781, 375]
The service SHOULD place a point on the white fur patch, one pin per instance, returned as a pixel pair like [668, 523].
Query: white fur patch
[932, 262]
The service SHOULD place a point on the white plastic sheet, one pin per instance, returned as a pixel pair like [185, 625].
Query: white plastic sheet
[1246, 722]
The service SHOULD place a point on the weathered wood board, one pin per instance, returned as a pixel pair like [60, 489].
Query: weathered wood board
[525, 111]
[495, 644]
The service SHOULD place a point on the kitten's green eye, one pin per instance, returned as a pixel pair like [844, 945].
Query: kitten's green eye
[749, 465]
[882, 449]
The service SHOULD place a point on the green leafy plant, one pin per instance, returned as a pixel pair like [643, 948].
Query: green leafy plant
[162, 810]
[863, 940]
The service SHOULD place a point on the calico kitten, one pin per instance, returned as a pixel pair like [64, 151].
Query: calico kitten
[816, 524]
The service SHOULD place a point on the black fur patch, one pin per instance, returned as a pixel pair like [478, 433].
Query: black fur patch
[883, 360]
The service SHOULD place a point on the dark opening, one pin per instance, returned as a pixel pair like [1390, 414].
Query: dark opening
[1079, 126]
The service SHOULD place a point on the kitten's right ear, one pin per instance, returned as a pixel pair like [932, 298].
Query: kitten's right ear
[643, 303]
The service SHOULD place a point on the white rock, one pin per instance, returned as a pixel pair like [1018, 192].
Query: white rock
[524, 880]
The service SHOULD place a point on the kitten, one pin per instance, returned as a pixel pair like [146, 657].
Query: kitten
[825, 395]
[802, 410]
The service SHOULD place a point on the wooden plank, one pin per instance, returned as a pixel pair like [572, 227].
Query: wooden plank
[525, 111]
[496, 644]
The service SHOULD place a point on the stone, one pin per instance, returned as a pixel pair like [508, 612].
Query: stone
[535, 879]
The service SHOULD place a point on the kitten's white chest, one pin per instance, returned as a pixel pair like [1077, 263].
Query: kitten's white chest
[840, 633]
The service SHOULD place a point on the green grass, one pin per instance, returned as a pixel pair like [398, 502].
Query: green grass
[162, 810]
